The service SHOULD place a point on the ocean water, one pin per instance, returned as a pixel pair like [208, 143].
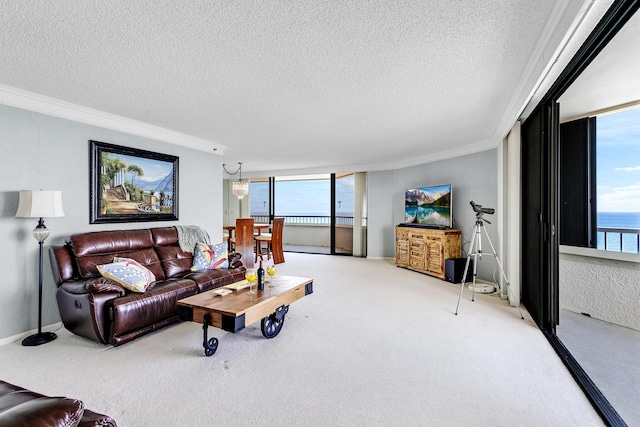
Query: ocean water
[321, 217]
[628, 220]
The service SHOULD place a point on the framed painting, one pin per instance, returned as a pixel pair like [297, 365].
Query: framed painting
[129, 185]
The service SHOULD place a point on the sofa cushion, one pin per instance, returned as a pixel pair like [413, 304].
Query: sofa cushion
[100, 247]
[108, 242]
[129, 273]
[136, 311]
[165, 236]
[175, 261]
[88, 265]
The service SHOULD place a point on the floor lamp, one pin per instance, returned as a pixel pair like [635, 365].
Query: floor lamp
[40, 204]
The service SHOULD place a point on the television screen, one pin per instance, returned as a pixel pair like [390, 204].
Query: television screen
[428, 206]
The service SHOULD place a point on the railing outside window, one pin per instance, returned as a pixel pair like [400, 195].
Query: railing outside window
[262, 219]
[619, 239]
[306, 220]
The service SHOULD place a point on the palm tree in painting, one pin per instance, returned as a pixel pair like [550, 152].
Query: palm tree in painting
[111, 166]
[134, 170]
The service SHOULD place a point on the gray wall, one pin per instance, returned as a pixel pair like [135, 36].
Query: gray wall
[45, 152]
[473, 177]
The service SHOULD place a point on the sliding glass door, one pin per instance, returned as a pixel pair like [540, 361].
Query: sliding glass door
[318, 211]
[343, 214]
[558, 207]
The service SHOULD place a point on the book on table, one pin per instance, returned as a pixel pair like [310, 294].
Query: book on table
[237, 285]
[222, 291]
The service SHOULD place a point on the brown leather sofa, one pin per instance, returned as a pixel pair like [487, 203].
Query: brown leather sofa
[21, 407]
[101, 309]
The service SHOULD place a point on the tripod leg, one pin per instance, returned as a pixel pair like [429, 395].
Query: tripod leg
[475, 264]
[466, 269]
[502, 271]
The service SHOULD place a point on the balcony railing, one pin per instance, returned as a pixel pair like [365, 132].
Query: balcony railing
[619, 239]
[307, 220]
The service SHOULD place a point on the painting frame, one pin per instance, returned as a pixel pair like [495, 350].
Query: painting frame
[114, 200]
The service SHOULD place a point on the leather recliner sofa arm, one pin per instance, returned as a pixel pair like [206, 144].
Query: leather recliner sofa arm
[83, 306]
[93, 285]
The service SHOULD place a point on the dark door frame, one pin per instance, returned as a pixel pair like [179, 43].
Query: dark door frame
[615, 18]
[332, 178]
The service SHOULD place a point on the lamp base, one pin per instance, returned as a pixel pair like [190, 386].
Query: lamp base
[38, 339]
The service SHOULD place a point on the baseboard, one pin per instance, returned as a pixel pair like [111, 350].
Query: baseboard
[19, 337]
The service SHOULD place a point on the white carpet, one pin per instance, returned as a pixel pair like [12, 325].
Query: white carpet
[374, 345]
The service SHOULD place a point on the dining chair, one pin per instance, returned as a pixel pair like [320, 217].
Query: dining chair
[260, 250]
[243, 240]
[273, 242]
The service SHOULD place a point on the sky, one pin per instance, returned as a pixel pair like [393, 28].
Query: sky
[154, 170]
[303, 197]
[618, 162]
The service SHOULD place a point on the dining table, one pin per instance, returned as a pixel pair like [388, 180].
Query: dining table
[231, 228]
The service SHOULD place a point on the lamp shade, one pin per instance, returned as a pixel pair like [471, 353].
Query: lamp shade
[40, 204]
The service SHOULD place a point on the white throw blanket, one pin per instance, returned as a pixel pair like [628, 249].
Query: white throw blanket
[189, 235]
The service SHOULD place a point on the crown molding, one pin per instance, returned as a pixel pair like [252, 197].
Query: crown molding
[564, 22]
[473, 148]
[25, 100]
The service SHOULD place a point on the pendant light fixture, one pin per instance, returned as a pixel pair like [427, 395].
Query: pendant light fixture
[239, 188]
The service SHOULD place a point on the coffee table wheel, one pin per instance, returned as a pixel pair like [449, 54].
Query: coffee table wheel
[272, 324]
[210, 346]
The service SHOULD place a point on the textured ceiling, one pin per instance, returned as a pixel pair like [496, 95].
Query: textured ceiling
[317, 86]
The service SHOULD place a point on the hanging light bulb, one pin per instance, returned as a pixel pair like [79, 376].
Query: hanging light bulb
[239, 188]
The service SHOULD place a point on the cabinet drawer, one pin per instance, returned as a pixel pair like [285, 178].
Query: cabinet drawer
[417, 246]
[435, 251]
[435, 239]
[418, 264]
[416, 236]
[434, 266]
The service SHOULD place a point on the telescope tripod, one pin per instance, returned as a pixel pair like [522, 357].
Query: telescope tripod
[476, 252]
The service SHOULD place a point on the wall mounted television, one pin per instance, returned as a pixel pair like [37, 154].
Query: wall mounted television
[428, 206]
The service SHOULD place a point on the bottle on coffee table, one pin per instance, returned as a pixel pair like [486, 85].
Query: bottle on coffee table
[260, 277]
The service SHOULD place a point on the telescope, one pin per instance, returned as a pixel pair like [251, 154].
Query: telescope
[479, 209]
[475, 250]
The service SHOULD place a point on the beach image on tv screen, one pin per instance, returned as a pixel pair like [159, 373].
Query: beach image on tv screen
[428, 206]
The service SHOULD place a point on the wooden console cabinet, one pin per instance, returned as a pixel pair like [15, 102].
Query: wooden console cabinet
[426, 249]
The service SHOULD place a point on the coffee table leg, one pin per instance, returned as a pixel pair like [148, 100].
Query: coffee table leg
[210, 345]
[272, 324]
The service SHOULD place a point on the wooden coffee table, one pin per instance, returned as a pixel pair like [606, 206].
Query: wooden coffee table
[235, 311]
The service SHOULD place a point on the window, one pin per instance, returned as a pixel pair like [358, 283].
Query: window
[259, 199]
[618, 181]
[344, 199]
[307, 197]
[600, 181]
